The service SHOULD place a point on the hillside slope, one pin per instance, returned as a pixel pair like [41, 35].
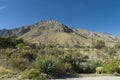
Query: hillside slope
[59, 33]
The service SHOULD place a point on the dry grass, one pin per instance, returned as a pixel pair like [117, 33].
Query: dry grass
[5, 71]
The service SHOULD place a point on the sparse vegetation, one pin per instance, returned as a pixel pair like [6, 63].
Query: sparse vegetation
[32, 61]
[99, 44]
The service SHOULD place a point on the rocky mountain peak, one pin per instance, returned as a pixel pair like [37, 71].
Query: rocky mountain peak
[52, 25]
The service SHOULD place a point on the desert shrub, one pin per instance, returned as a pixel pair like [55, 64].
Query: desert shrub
[44, 65]
[117, 45]
[94, 64]
[86, 49]
[99, 70]
[10, 42]
[68, 58]
[99, 44]
[22, 47]
[27, 55]
[18, 63]
[25, 74]
[5, 71]
[51, 45]
[56, 52]
[74, 60]
[50, 65]
[80, 64]
[111, 66]
[54, 45]
[25, 52]
[112, 51]
[7, 53]
[77, 46]
[87, 66]
[84, 67]
[33, 75]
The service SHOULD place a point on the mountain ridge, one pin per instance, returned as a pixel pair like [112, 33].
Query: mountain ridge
[59, 33]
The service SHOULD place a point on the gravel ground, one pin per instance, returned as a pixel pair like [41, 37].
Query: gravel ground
[94, 78]
[82, 78]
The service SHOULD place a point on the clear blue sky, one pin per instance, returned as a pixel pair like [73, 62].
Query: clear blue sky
[94, 15]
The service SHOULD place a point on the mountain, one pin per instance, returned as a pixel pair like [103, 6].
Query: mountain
[59, 33]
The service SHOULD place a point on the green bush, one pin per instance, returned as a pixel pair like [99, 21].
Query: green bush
[94, 64]
[84, 67]
[9, 42]
[33, 75]
[111, 66]
[50, 65]
[74, 60]
[79, 63]
[44, 65]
